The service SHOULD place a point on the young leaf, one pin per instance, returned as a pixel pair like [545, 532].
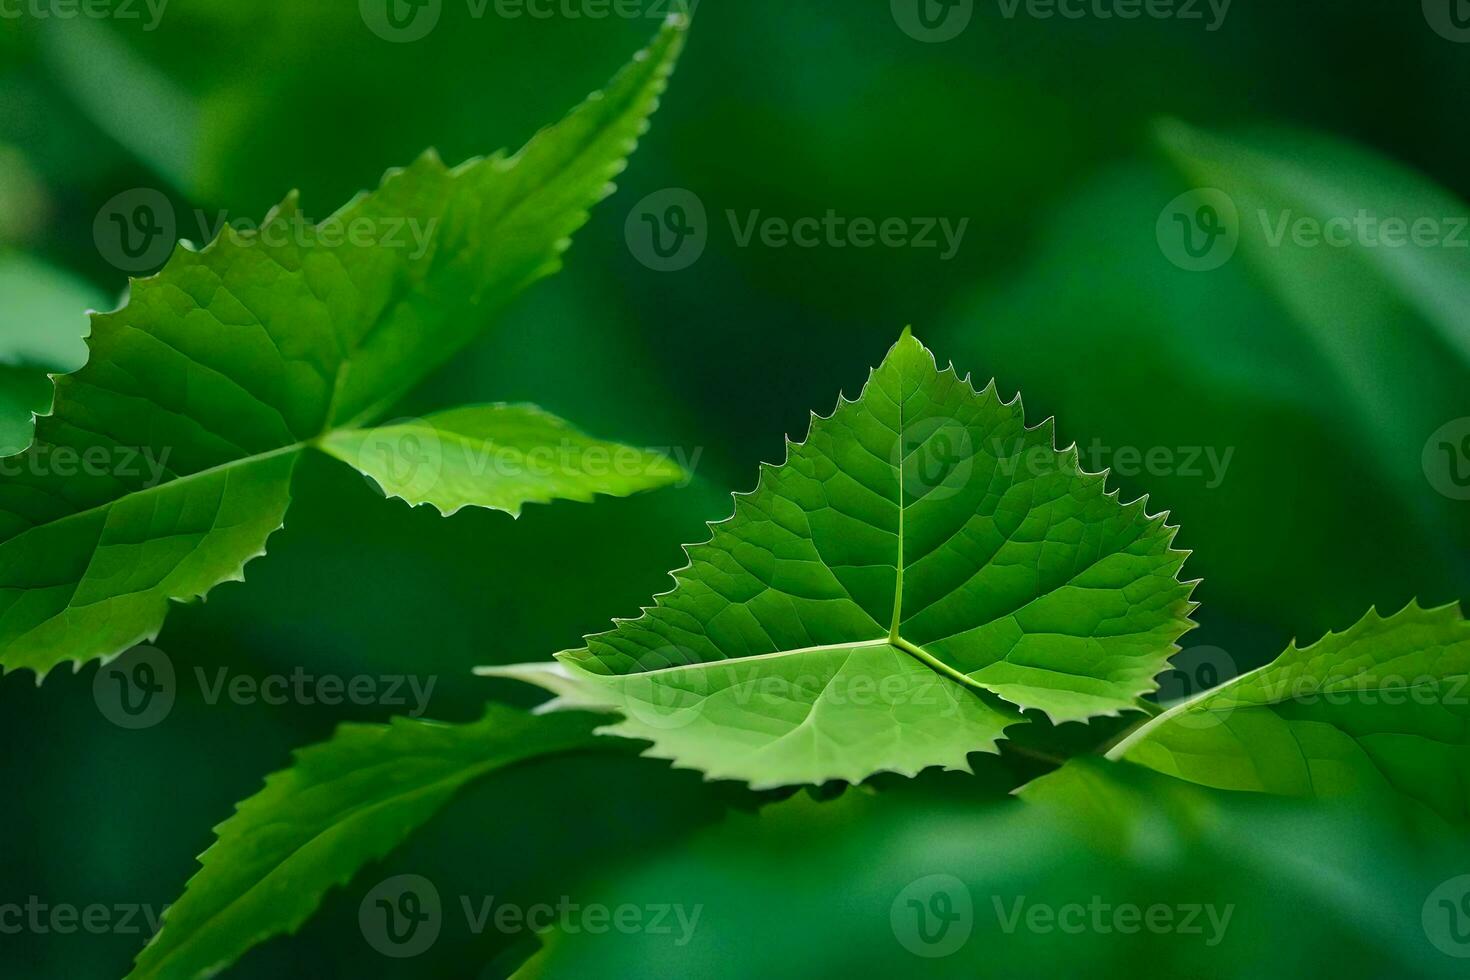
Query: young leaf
[345, 803]
[922, 559]
[496, 456]
[203, 391]
[1382, 709]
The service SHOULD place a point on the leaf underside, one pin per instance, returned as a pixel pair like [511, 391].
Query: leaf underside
[918, 569]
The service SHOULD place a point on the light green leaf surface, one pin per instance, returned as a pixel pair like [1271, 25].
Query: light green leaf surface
[344, 804]
[1381, 710]
[42, 323]
[202, 392]
[915, 571]
[497, 456]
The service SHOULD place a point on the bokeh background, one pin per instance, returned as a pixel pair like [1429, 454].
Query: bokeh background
[1328, 384]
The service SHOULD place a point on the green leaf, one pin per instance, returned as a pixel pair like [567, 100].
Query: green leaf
[41, 328]
[497, 456]
[922, 559]
[914, 883]
[344, 804]
[1370, 260]
[201, 393]
[1381, 710]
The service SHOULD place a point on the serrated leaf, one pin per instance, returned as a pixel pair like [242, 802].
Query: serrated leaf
[1380, 710]
[917, 569]
[497, 456]
[344, 803]
[203, 391]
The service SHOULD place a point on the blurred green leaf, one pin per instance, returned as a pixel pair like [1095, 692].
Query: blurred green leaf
[344, 804]
[1372, 264]
[906, 884]
[42, 323]
[1200, 388]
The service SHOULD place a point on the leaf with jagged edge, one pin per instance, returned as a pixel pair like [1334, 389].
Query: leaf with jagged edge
[918, 569]
[497, 456]
[1380, 710]
[204, 390]
[344, 803]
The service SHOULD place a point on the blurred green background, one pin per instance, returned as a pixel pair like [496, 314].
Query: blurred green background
[1328, 384]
